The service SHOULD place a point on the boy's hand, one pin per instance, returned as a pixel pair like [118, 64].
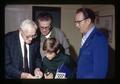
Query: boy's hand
[48, 75]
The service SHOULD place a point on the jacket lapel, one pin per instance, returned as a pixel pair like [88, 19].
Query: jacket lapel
[89, 39]
[18, 49]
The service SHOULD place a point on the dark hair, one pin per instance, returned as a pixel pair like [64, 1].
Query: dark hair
[88, 13]
[51, 45]
[44, 16]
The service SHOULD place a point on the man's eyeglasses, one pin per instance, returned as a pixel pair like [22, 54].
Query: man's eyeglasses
[80, 20]
[46, 28]
[30, 36]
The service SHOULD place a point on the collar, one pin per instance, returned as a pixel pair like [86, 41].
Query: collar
[21, 38]
[88, 33]
[47, 36]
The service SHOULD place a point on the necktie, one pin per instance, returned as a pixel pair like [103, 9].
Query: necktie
[26, 69]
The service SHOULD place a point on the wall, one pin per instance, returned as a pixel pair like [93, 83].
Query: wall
[14, 14]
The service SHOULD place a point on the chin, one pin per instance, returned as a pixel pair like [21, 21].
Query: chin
[28, 42]
[50, 58]
[44, 34]
[81, 31]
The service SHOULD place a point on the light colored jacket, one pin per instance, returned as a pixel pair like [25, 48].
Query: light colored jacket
[60, 36]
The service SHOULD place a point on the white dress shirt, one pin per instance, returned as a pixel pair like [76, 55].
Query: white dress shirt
[86, 36]
[22, 47]
[47, 36]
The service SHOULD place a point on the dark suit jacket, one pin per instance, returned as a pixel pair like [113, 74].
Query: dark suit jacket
[93, 57]
[13, 55]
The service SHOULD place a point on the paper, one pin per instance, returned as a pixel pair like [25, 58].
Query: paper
[60, 75]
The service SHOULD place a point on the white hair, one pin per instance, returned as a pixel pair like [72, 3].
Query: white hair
[27, 22]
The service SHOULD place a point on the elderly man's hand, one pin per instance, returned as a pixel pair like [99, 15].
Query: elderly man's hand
[25, 75]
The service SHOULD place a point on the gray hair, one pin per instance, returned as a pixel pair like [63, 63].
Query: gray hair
[26, 23]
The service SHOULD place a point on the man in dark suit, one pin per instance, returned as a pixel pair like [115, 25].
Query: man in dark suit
[93, 56]
[22, 58]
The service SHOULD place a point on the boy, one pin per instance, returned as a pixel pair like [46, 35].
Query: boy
[55, 59]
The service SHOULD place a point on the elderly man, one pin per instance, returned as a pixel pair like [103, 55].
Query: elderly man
[22, 57]
[93, 56]
[47, 30]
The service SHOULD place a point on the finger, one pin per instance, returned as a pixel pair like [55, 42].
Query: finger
[30, 76]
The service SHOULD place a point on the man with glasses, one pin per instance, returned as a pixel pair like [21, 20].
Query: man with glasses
[47, 30]
[93, 56]
[22, 57]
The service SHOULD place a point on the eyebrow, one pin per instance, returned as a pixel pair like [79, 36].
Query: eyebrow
[81, 20]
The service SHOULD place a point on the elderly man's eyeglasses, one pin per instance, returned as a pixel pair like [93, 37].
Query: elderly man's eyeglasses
[80, 20]
[30, 36]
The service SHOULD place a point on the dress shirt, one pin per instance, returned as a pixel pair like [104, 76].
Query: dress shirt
[86, 35]
[22, 47]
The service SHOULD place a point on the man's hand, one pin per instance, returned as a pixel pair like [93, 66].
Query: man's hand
[26, 76]
[38, 73]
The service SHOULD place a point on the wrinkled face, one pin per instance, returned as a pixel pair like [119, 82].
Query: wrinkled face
[81, 22]
[29, 34]
[50, 56]
[44, 27]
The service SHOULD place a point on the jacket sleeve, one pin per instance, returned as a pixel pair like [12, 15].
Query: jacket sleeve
[10, 70]
[38, 56]
[100, 58]
[65, 43]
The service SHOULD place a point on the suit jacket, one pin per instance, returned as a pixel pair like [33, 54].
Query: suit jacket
[93, 57]
[14, 58]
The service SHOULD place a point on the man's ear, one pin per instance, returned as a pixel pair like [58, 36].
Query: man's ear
[58, 51]
[88, 20]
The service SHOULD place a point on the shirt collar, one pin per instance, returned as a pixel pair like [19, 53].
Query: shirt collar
[21, 38]
[47, 36]
[88, 33]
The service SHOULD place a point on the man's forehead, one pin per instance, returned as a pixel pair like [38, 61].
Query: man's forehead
[79, 15]
[45, 18]
[45, 22]
[30, 31]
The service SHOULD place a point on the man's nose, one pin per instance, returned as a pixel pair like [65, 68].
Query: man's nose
[77, 25]
[44, 29]
[30, 38]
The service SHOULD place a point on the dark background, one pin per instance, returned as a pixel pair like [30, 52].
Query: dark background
[54, 11]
